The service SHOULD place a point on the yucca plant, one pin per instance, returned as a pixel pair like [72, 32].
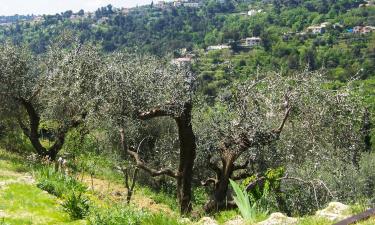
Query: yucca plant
[242, 200]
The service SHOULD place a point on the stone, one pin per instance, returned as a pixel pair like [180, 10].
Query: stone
[2, 214]
[279, 219]
[236, 221]
[334, 211]
[184, 221]
[207, 221]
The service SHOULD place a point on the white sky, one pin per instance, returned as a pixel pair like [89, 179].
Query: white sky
[24, 7]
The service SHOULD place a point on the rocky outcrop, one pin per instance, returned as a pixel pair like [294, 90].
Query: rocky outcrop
[335, 211]
[279, 219]
[207, 221]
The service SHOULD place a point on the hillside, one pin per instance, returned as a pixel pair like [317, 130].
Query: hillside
[293, 35]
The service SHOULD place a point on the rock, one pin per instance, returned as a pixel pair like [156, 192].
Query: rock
[334, 211]
[2, 214]
[236, 221]
[184, 221]
[279, 219]
[207, 221]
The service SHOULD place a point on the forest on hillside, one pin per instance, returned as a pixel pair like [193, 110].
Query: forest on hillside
[91, 102]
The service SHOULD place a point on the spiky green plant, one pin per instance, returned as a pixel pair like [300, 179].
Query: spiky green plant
[242, 200]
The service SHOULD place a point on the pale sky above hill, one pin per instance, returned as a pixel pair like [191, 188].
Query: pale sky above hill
[24, 7]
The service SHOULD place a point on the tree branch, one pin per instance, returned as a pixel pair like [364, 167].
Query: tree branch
[241, 166]
[286, 114]
[259, 181]
[158, 111]
[209, 181]
[241, 176]
[140, 164]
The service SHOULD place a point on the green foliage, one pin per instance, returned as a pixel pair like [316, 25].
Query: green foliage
[160, 219]
[267, 195]
[314, 221]
[200, 196]
[160, 197]
[271, 183]
[57, 183]
[242, 200]
[117, 215]
[76, 205]
[224, 216]
[27, 204]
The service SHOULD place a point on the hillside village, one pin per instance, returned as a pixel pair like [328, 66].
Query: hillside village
[104, 16]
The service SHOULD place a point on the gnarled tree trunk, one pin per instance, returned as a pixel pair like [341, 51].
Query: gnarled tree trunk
[187, 158]
[230, 150]
[32, 131]
[184, 175]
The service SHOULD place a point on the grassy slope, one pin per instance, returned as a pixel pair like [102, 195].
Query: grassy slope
[21, 202]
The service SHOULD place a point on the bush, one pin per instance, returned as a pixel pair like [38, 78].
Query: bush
[57, 183]
[117, 215]
[160, 219]
[76, 205]
[346, 183]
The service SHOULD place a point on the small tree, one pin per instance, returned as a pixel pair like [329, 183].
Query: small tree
[49, 86]
[245, 127]
[143, 88]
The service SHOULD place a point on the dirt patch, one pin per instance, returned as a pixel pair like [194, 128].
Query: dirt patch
[116, 192]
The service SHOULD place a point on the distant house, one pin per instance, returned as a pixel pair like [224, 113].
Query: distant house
[368, 29]
[177, 3]
[253, 12]
[192, 4]
[316, 29]
[182, 61]
[357, 29]
[252, 41]
[161, 4]
[187, 3]
[102, 20]
[363, 29]
[367, 4]
[38, 19]
[217, 47]
[75, 18]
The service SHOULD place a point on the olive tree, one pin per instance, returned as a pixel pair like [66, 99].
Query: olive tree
[257, 125]
[47, 88]
[142, 88]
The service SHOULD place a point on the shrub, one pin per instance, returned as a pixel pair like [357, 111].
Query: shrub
[76, 205]
[117, 215]
[57, 183]
[160, 219]
[346, 183]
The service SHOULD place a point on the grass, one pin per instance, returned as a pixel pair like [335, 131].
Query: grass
[12, 162]
[26, 204]
[311, 220]
[159, 197]
[21, 203]
[225, 216]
